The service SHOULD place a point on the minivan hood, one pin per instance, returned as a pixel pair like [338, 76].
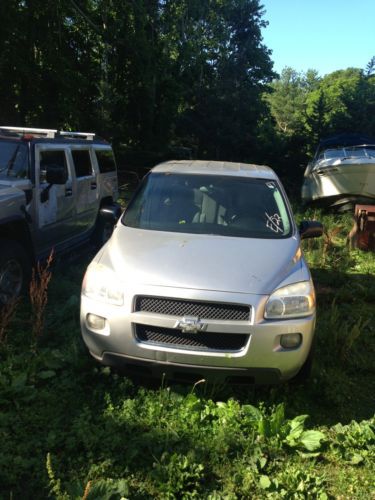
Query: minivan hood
[203, 262]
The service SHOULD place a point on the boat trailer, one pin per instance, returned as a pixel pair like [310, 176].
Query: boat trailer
[362, 234]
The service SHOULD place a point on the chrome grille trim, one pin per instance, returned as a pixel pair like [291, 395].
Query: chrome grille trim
[201, 341]
[203, 310]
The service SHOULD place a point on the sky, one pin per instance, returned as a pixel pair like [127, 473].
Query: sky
[325, 35]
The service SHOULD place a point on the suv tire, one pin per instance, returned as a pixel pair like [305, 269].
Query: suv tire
[15, 270]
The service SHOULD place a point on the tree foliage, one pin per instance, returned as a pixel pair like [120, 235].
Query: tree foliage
[150, 74]
[144, 73]
[305, 108]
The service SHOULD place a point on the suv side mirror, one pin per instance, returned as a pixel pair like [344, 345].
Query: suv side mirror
[310, 229]
[56, 174]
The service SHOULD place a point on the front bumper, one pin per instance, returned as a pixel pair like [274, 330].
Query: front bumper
[260, 360]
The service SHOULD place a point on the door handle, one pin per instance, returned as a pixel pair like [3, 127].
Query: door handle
[68, 192]
[93, 185]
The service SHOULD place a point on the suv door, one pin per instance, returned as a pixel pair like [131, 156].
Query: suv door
[87, 196]
[104, 161]
[54, 203]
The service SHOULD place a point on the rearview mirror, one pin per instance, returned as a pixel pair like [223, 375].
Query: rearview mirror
[310, 229]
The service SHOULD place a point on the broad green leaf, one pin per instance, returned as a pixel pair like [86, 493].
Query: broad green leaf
[311, 440]
[252, 412]
[296, 430]
[264, 482]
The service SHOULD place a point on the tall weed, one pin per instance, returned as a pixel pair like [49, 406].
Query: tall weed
[7, 313]
[39, 295]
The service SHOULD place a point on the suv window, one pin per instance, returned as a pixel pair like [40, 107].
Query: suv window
[106, 160]
[210, 204]
[13, 159]
[82, 162]
[51, 157]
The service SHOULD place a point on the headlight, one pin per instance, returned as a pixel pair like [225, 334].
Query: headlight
[292, 301]
[100, 283]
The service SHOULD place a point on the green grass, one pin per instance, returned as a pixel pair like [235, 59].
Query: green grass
[71, 429]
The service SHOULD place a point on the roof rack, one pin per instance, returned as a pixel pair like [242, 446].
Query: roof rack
[48, 133]
[82, 135]
[44, 132]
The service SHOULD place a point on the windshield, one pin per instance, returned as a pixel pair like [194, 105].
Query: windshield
[210, 204]
[13, 160]
[343, 153]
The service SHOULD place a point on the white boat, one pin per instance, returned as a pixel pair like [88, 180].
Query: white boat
[342, 172]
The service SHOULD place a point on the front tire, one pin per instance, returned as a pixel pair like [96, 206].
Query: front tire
[304, 374]
[15, 270]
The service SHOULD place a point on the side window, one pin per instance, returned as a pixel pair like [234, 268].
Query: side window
[51, 158]
[82, 162]
[106, 160]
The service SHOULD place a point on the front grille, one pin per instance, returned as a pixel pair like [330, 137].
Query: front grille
[170, 337]
[204, 310]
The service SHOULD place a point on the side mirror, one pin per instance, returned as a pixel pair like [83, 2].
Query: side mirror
[56, 174]
[310, 229]
[111, 212]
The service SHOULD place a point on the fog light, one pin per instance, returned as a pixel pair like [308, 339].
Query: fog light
[291, 340]
[95, 322]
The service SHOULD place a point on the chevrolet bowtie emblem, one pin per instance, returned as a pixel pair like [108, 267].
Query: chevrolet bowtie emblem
[190, 324]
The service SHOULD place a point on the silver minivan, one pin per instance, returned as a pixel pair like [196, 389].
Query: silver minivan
[203, 277]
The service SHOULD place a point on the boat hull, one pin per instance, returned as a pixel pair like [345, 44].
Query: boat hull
[340, 180]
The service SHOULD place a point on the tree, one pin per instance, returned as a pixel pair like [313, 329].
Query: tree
[370, 68]
[226, 67]
[288, 99]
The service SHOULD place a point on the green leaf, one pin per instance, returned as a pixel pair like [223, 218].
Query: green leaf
[262, 462]
[45, 374]
[308, 454]
[252, 412]
[264, 482]
[297, 425]
[356, 459]
[264, 427]
[296, 429]
[19, 380]
[277, 419]
[311, 440]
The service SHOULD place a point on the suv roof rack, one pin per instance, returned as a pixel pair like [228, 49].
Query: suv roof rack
[48, 133]
[79, 135]
[44, 132]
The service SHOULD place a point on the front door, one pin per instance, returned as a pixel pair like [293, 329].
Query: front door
[56, 220]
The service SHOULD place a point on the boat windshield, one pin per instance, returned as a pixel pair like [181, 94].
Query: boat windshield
[210, 204]
[364, 151]
[13, 160]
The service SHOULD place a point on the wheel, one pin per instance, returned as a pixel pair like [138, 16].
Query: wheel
[15, 270]
[103, 231]
[304, 374]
